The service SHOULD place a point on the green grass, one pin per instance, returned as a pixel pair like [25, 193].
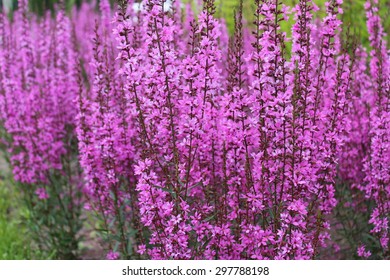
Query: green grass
[12, 232]
[15, 241]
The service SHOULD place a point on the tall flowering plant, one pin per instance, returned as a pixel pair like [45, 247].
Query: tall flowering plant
[38, 84]
[192, 143]
[364, 158]
[202, 159]
[376, 164]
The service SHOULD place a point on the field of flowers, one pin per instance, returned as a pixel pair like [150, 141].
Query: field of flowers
[153, 130]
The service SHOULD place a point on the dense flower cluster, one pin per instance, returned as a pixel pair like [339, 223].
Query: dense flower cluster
[196, 144]
[39, 73]
[38, 81]
[376, 163]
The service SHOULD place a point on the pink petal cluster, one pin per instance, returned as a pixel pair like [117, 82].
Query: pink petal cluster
[38, 86]
[217, 159]
[365, 158]
[42, 193]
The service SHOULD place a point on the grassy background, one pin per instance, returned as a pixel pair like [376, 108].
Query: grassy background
[12, 231]
[354, 10]
[354, 15]
[15, 241]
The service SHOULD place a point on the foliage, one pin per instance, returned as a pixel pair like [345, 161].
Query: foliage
[15, 240]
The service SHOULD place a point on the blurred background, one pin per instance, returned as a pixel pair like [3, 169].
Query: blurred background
[38, 6]
[354, 14]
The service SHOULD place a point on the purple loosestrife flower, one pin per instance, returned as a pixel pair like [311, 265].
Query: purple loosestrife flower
[227, 148]
[362, 252]
[112, 255]
[36, 117]
[42, 194]
[351, 158]
[104, 133]
[39, 76]
[376, 165]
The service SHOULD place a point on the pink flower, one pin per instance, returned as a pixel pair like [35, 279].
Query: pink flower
[42, 194]
[142, 249]
[111, 255]
[362, 252]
